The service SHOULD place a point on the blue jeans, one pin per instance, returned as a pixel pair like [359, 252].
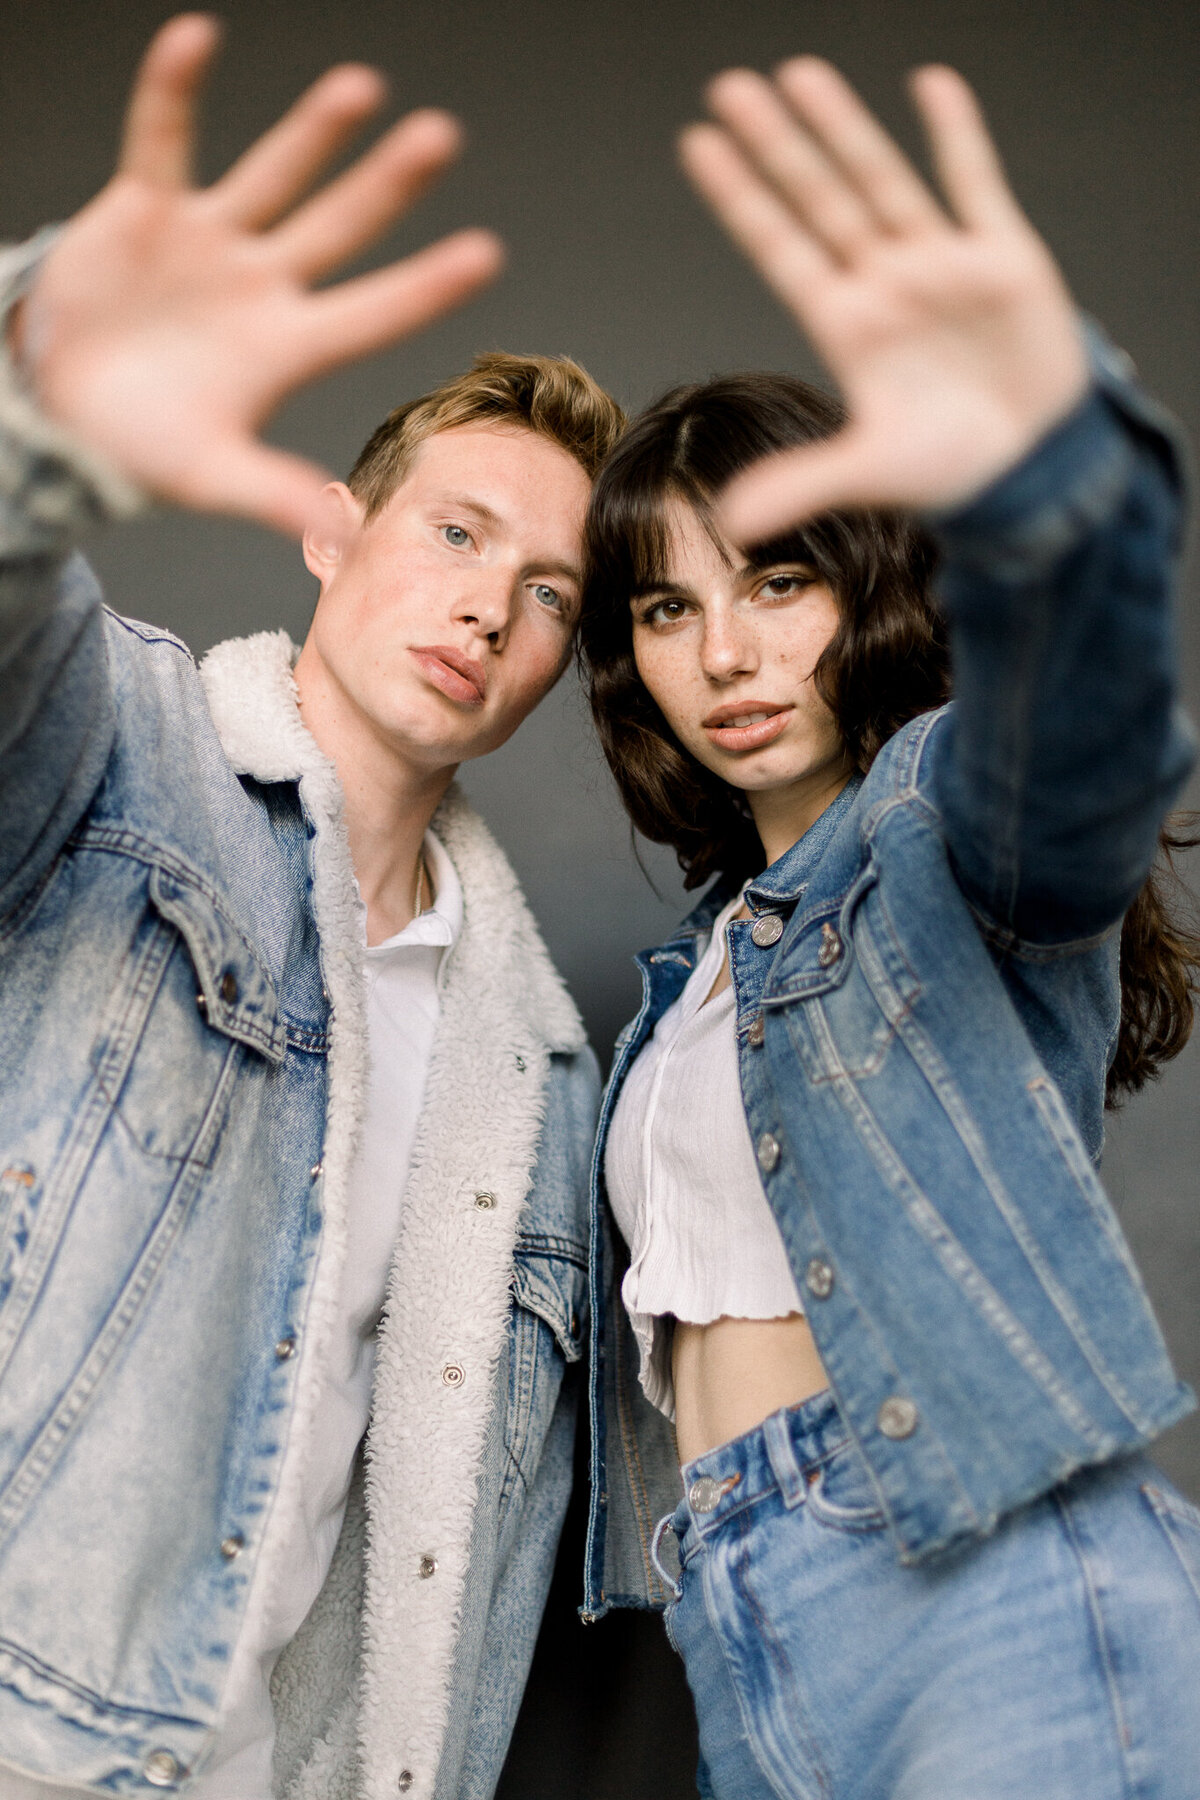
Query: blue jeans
[1058, 1659]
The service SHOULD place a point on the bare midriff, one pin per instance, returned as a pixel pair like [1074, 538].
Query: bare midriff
[731, 1375]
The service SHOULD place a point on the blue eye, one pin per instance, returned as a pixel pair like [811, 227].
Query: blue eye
[456, 535]
[547, 595]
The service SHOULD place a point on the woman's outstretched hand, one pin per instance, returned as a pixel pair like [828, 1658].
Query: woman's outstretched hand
[947, 326]
[168, 321]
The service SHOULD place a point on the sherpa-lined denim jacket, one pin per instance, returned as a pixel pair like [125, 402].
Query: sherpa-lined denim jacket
[923, 1048]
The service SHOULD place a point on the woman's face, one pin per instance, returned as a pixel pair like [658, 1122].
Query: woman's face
[727, 649]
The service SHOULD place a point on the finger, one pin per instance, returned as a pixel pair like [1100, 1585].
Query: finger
[360, 316]
[759, 222]
[284, 162]
[780, 148]
[796, 485]
[252, 481]
[160, 119]
[851, 135]
[966, 160]
[355, 209]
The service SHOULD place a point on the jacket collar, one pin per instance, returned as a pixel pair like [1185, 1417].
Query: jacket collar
[251, 692]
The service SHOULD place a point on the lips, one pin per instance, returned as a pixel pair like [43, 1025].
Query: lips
[746, 724]
[452, 672]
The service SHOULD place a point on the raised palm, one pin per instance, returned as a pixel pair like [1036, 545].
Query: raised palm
[168, 322]
[948, 328]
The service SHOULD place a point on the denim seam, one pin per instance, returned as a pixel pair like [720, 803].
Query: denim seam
[1121, 1728]
[637, 1477]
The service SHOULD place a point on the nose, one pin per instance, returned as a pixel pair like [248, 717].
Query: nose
[727, 645]
[486, 605]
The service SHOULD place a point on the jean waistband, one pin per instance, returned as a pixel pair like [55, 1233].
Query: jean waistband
[783, 1453]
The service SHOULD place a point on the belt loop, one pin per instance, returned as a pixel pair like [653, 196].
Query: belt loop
[782, 1456]
[669, 1581]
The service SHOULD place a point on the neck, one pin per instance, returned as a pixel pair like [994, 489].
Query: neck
[782, 815]
[389, 801]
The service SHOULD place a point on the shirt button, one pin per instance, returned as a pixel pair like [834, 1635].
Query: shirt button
[233, 1545]
[768, 1152]
[757, 1032]
[453, 1375]
[284, 1348]
[897, 1417]
[484, 1202]
[831, 946]
[427, 1567]
[161, 1769]
[767, 931]
[229, 987]
[818, 1278]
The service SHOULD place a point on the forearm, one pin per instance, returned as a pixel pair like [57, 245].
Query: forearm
[1066, 746]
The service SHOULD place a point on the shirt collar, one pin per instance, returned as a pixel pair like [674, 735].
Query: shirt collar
[440, 924]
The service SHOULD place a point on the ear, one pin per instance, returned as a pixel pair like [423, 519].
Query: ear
[336, 518]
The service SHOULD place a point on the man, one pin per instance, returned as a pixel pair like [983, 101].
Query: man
[247, 1200]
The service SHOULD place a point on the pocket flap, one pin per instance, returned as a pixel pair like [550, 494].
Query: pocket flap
[239, 995]
[550, 1280]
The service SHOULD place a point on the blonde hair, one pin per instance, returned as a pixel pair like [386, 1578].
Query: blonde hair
[548, 394]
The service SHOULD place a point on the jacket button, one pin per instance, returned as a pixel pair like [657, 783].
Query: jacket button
[818, 1278]
[831, 946]
[427, 1567]
[233, 1545]
[768, 1152]
[284, 1348]
[317, 1170]
[161, 1769]
[757, 1032]
[897, 1417]
[484, 1202]
[453, 1375]
[229, 987]
[767, 931]
[404, 1780]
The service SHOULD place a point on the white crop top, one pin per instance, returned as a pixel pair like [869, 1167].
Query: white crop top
[683, 1182]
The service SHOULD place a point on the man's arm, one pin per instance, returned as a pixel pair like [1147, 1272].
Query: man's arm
[1057, 495]
[147, 343]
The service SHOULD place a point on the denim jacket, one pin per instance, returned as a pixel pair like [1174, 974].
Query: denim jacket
[923, 1039]
[182, 1060]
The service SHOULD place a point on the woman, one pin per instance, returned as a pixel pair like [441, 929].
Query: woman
[849, 1141]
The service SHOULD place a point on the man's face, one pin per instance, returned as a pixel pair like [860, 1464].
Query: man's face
[444, 620]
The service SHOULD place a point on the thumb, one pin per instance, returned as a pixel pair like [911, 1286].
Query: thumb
[787, 489]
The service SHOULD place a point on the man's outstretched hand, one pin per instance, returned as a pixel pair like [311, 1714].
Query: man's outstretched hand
[947, 327]
[168, 322]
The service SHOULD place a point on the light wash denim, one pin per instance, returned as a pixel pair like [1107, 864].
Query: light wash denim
[161, 1195]
[923, 1051]
[1058, 1659]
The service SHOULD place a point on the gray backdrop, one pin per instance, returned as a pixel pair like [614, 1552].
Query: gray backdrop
[572, 106]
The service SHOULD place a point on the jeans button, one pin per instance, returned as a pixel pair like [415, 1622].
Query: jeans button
[768, 1152]
[704, 1494]
[161, 1769]
[897, 1417]
[818, 1278]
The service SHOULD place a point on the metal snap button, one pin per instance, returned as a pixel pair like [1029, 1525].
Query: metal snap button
[161, 1769]
[427, 1567]
[453, 1375]
[756, 1032]
[520, 1065]
[484, 1202]
[233, 1545]
[767, 931]
[768, 1152]
[818, 1278]
[317, 1170]
[897, 1417]
[831, 946]
[229, 987]
[704, 1494]
[404, 1780]
[284, 1348]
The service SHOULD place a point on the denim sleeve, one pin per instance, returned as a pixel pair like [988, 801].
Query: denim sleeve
[1066, 745]
[56, 710]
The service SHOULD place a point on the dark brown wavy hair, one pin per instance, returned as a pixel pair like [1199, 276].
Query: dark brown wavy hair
[888, 660]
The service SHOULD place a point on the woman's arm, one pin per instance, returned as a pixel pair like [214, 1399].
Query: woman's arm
[1055, 489]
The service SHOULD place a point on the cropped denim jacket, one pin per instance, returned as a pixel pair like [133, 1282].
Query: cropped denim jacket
[923, 1045]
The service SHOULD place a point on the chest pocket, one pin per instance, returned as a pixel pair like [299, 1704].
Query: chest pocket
[547, 1324]
[191, 992]
[846, 986]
